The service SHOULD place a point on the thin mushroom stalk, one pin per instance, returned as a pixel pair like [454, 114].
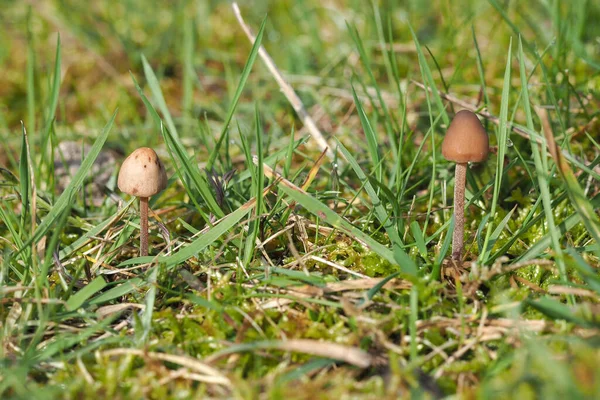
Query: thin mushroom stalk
[460, 179]
[143, 226]
[465, 141]
[143, 175]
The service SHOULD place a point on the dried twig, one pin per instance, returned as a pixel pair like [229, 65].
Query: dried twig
[287, 90]
[484, 113]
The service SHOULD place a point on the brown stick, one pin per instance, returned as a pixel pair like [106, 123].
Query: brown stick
[143, 226]
[460, 180]
[286, 88]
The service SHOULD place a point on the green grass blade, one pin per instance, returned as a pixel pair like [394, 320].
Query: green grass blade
[503, 135]
[557, 311]
[387, 118]
[180, 157]
[208, 238]
[583, 206]
[238, 92]
[67, 196]
[429, 82]
[419, 240]
[380, 211]
[304, 370]
[187, 60]
[377, 288]
[10, 223]
[24, 178]
[542, 171]
[191, 170]
[52, 104]
[149, 309]
[587, 272]
[314, 206]
[250, 241]
[122, 289]
[287, 166]
[371, 137]
[257, 186]
[158, 96]
[65, 342]
[201, 242]
[498, 231]
[58, 228]
[412, 323]
[95, 230]
[486, 99]
[77, 299]
[381, 40]
[545, 241]
[202, 302]
[31, 70]
[435, 273]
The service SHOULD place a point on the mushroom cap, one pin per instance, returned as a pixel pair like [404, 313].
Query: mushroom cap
[465, 140]
[142, 174]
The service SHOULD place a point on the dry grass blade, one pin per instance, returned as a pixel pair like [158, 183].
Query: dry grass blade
[358, 284]
[351, 355]
[314, 170]
[309, 291]
[274, 175]
[209, 374]
[115, 308]
[577, 195]
[559, 289]
[337, 266]
[287, 90]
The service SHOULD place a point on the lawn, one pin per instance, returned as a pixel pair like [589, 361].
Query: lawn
[303, 245]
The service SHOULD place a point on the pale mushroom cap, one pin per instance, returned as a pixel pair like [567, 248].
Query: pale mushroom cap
[142, 174]
[465, 140]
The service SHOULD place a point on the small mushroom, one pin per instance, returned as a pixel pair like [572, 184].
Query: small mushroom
[142, 175]
[465, 141]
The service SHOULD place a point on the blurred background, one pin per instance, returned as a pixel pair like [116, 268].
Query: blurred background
[198, 51]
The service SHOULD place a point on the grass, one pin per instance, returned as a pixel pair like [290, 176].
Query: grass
[277, 271]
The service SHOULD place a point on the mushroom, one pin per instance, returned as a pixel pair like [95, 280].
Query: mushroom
[142, 175]
[465, 141]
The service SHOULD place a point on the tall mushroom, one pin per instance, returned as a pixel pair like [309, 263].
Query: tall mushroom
[142, 175]
[465, 141]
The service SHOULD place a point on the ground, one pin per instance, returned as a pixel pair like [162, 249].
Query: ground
[302, 246]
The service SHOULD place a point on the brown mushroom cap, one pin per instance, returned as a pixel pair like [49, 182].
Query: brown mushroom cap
[142, 174]
[465, 140]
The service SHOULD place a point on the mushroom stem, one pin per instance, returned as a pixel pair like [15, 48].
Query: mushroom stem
[143, 226]
[460, 179]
